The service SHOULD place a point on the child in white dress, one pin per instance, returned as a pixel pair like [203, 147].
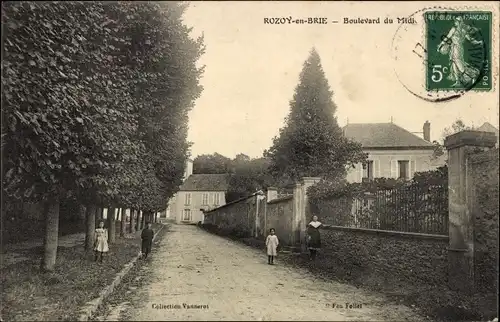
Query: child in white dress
[101, 241]
[272, 243]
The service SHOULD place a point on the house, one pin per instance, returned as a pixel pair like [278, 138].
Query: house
[169, 212]
[393, 152]
[487, 127]
[199, 191]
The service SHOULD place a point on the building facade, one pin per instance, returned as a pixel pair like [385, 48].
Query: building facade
[169, 212]
[487, 127]
[200, 192]
[393, 152]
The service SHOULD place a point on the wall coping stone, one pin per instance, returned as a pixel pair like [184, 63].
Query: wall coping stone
[458, 250]
[278, 200]
[470, 138]
[212, 211]
[386, 232]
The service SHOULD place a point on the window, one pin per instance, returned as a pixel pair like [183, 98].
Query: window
[204, 200]
[216, 199]
[187, 201]
[404, 169]
[186, 215]
[368, 170]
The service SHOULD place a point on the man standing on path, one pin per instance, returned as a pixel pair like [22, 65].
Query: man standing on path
[147, 235]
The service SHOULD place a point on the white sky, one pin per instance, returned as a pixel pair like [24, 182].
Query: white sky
[252, 70]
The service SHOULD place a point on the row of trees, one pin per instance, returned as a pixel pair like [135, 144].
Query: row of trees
[95, 98]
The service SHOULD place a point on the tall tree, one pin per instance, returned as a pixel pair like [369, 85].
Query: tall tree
[211, 164]
[248, 176]
[312, 143]
[66, 123]
[455, 127]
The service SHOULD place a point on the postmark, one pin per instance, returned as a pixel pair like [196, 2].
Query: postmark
[422, 59]
[458, 50]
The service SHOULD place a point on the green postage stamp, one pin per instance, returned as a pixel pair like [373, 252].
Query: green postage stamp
[458, 50]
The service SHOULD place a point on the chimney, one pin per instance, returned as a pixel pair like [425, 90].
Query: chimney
[427, 131]
[189, 169]
[272, 193]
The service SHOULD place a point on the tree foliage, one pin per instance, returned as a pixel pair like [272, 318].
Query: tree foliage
[95, 95]
[326, 189]
[248, 176]
[95, 99]
[455, 127]
[212, 164]
[312, 143]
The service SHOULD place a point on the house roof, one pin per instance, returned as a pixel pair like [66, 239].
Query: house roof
[206, 182]
[384, 135]
[487, 127]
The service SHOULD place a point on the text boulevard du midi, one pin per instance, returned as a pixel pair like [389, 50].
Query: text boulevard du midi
[347, 20]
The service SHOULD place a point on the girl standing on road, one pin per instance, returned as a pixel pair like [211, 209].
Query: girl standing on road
[313, 237]
[101, 241]
[272, 243]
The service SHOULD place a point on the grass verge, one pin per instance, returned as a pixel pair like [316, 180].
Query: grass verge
[29, 294]
[127, 291]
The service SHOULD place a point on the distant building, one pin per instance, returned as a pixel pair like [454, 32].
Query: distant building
[187, 172]
[487, 127]
[393, 152]
[199, 191]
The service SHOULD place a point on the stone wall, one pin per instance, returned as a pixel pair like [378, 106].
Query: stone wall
[404, 259]
[279, 215]
[483, 181]
[465, 260]
[253, 217]
[234, 218]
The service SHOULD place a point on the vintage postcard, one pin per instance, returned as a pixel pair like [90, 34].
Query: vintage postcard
[250, 160]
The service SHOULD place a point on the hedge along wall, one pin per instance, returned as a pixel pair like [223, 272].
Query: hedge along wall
[279, 215]
[483, 199]
[397, 258]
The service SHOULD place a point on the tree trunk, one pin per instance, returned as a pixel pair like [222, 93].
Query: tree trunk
[111, 225]
[143, 218]
[98, 216]
[138, 218]
[132, 221]
[82, 213]
[123, 221]
[90, 228]
[51, 235]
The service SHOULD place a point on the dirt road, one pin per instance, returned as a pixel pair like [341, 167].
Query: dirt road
[195, 275]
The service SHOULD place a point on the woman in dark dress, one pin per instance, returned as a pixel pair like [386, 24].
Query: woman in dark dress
[313, 237]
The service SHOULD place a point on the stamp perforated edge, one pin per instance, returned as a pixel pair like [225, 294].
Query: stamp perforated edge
[495, 50]
[489, 57]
